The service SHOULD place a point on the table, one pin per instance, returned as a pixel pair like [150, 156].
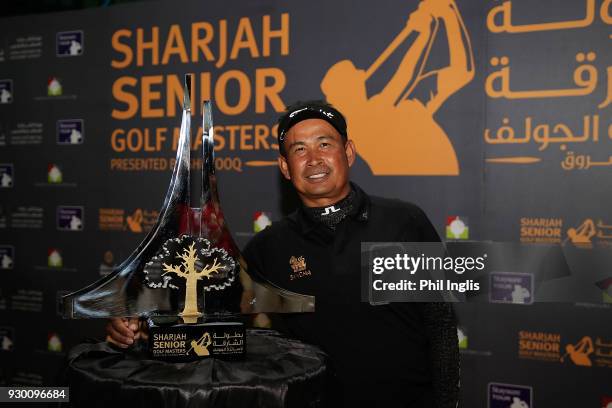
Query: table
[277, 372]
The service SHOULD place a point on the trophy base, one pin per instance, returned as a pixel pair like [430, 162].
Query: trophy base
[172, 340]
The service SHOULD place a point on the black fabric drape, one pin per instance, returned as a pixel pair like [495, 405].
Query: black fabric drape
[277, 372]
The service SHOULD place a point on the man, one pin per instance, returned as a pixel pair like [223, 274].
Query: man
[394, 355]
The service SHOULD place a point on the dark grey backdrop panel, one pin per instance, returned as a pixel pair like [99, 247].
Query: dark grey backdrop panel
[496, 199]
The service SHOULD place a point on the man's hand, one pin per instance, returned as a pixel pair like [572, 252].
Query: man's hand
[123, 332]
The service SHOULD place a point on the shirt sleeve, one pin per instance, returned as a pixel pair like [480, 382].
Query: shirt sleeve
[441, 327]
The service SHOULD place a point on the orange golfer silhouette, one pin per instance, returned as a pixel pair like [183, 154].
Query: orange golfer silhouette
[395, 130]
[579, 352]
[583, 234]
[134, 221]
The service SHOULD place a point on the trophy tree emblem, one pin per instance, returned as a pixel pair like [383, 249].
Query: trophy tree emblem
[197, 262]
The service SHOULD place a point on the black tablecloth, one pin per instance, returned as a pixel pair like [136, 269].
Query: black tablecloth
[277, 372]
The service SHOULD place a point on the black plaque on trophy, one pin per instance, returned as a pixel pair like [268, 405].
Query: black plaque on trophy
[172, 340]
[187, 278]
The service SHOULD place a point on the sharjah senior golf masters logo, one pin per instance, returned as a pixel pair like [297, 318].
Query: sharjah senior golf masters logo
[584, 351]
[404, 110]
[200, 265]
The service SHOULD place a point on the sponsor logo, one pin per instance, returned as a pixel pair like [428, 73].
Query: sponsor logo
[579, 353]
[6, 175]
[30, 217]
[70, 131]
[216, 341]
[54, 87]
[457, 227]
[117, 219]
[539, 346]
[6, 91]
[27, 300]
[606, 287]
[69, 43]
[583, 234]
[511, 287]
[70, 218]
[261, 220]
[111, 219]
[134, 221]
[584, 352]
[590, 233]
[542, 230]
[54, 174]
[510, 396]
[200, 347]
[586, 233]
[7, 256]
[54, 258]
[54, 342]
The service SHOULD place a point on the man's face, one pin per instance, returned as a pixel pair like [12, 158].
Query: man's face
[317, 162]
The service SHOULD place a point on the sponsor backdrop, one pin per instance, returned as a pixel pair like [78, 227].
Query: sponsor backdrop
[493, 116]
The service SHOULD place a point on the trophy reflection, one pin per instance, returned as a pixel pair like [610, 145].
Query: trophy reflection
[187, 277]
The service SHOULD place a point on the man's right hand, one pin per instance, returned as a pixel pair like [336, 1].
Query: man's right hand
[123, 332]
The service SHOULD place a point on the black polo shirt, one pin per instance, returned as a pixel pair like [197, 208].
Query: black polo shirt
[380, 353]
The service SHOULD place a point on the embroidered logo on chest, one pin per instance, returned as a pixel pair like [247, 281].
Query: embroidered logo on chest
[298, 266]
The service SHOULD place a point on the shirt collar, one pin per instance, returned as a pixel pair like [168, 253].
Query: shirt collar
[360, 211]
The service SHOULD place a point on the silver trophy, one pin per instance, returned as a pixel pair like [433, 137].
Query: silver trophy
[187, 277]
